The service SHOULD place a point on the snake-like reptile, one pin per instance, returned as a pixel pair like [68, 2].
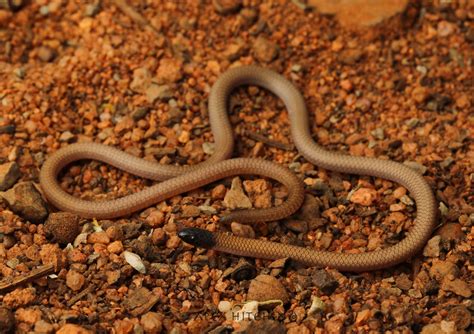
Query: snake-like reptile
[179, 179]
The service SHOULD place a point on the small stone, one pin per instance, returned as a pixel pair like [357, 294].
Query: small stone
[278, 266]
[19, 297]
[403, 282]
[225, 7]
[461, 317]
[151, 322]
[362, 317]
[235, 198]
[445, 327]
[441, 269]
[218, 192]
[266, 287]
[346, 85]
[26, 201]
[92, 9]
[335, 324]
[115, 247]
[433, 247]
[265, 50]
[235, 50]
[43, 327]
[7, 320]
[399, 192]
[73, 329]
[184, 137]
[463, 101]
[75, 280]
[63, 226]
[248, 16]
[265, 326]
[350, 56]
[419, 94]
[141, 80]
[324, 281]
[298, 226]
[451, 232]
[46, 54]
[155, 219]
[158, 92]
[364, 196]
[458, 286]
[242, 271]
[140, 113]
[169, 71]
[242, 230]
[112, 276]
[9, 174]
[98, 238]
[66, 137]
[310, 211]
[191, 211]
[260, 192]
[445, 29]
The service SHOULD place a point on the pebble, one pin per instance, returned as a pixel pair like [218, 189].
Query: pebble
[43, 327]
[75, 280]
[419, 94]
[346, 85]
[310, 211]
[169, 71]
[112, 276]
[46, 54]
[350, 56]
[141, 80]
[458, 286]
[266, 287]
[242, 230]
[92, 9]
[7, 320]
[433, 247]
[218, 192]
[364, 196]
[19, 297]
[278, 266]
[26, 201]
[66, 137]
[335, 324]
[241, 272]
[158, 92]
[440, 269]
[266, 326]
[155, 219]
[152, 323]
[73, 329]
[265, 50]
[63, 226]
[98, 238]
[444, 327]
[461, 317]
[324, 281]
[445, 29]
[451, 232]
[115, 247]
[190, 211]
[235, 50]
[260, 192]
[9, 174]
[226, 7]
[235, 198]
[298, 226]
